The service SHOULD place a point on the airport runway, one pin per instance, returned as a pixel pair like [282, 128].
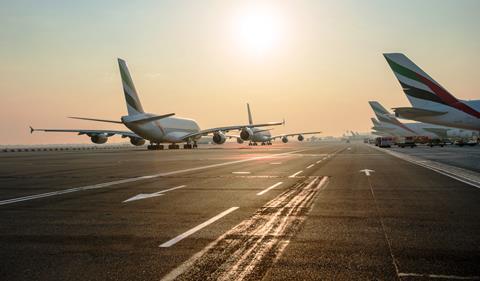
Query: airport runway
[286, 212]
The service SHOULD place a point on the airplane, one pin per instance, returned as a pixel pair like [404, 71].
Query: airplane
[157, 129]
[387, 122]
[431, 103]
[264, 136]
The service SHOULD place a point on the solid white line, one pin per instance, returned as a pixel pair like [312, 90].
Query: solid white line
[294, 175]
[197, 228]
[319, 161]
[269, 188]
[439, 276]
[311, 165]
[275, 163]
[112, 183]
[241, 173]
[439, 170]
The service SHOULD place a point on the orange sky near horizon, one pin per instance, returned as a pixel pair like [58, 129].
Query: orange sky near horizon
[314, 63]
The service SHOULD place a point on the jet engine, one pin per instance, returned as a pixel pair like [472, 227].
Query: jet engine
[219, 138]
[239, 140]
[300, 138]
[246, 134]
[99, 139]
[137, 141]
[284, 139]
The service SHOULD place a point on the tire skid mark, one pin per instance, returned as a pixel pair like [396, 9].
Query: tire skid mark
[247, 251]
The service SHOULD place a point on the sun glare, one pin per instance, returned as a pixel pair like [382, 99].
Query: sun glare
[257, 29]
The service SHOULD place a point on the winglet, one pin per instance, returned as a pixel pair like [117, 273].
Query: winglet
[283, 122]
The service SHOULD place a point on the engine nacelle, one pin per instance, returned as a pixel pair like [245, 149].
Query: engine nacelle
[99, 139]
[284, 139]
[246, 134]
[219, 138]
[137, 141]
[300, 138]
[239, 140]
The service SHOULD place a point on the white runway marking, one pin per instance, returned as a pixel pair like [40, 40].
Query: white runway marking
[275, 163]
[459, 174]
[248, 248]
[439, 276]
[241, 173]
[318, 162]
[296, 174]
[112, 183]
[197, 228]
[309, 166]
[151, 195]
[269, 188]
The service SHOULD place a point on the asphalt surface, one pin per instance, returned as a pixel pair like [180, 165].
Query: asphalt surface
[465, 157]
[285, 212]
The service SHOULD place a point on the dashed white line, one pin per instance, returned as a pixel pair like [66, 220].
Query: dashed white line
[189, 232]
[296, 174]
[129, 180]
[309, 166]
[269, 188]
[151, 195]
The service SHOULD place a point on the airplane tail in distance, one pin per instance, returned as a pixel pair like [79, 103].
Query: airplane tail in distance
[250, 120]
[375, 122]
[131, 97]
[378, 108]
[416, 83]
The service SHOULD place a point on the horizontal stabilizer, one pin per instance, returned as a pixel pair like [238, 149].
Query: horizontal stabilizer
[149, 118]
[97, 120]
[413, 112]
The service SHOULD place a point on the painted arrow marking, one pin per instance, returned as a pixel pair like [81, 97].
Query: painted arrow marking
[151, 195]
[367, 172]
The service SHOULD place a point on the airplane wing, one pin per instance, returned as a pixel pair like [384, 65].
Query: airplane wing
[108, 133]
[294, 134]
[413, 112]
[229, 128]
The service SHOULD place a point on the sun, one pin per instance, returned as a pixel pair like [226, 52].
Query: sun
[258, 29]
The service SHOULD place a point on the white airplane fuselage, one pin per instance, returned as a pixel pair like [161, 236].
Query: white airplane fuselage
[165, 130]
[424, 130]
[452, 118]
[260, 135]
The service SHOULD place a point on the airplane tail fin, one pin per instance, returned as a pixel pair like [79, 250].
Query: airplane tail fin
[131, 97]
[417, 84]
[250, 120]
[378, 109]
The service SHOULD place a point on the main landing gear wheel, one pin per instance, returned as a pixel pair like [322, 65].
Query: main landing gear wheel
[187, 146]
[195, 144]
[173, 146]
[155, 147]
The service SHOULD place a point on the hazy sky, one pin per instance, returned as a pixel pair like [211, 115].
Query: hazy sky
[316, 63]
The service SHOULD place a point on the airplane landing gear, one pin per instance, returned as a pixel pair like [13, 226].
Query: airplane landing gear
[173, 146]
[263, 143]
[155, 146]
[187, 146]
[195, 144]
[269, 143]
